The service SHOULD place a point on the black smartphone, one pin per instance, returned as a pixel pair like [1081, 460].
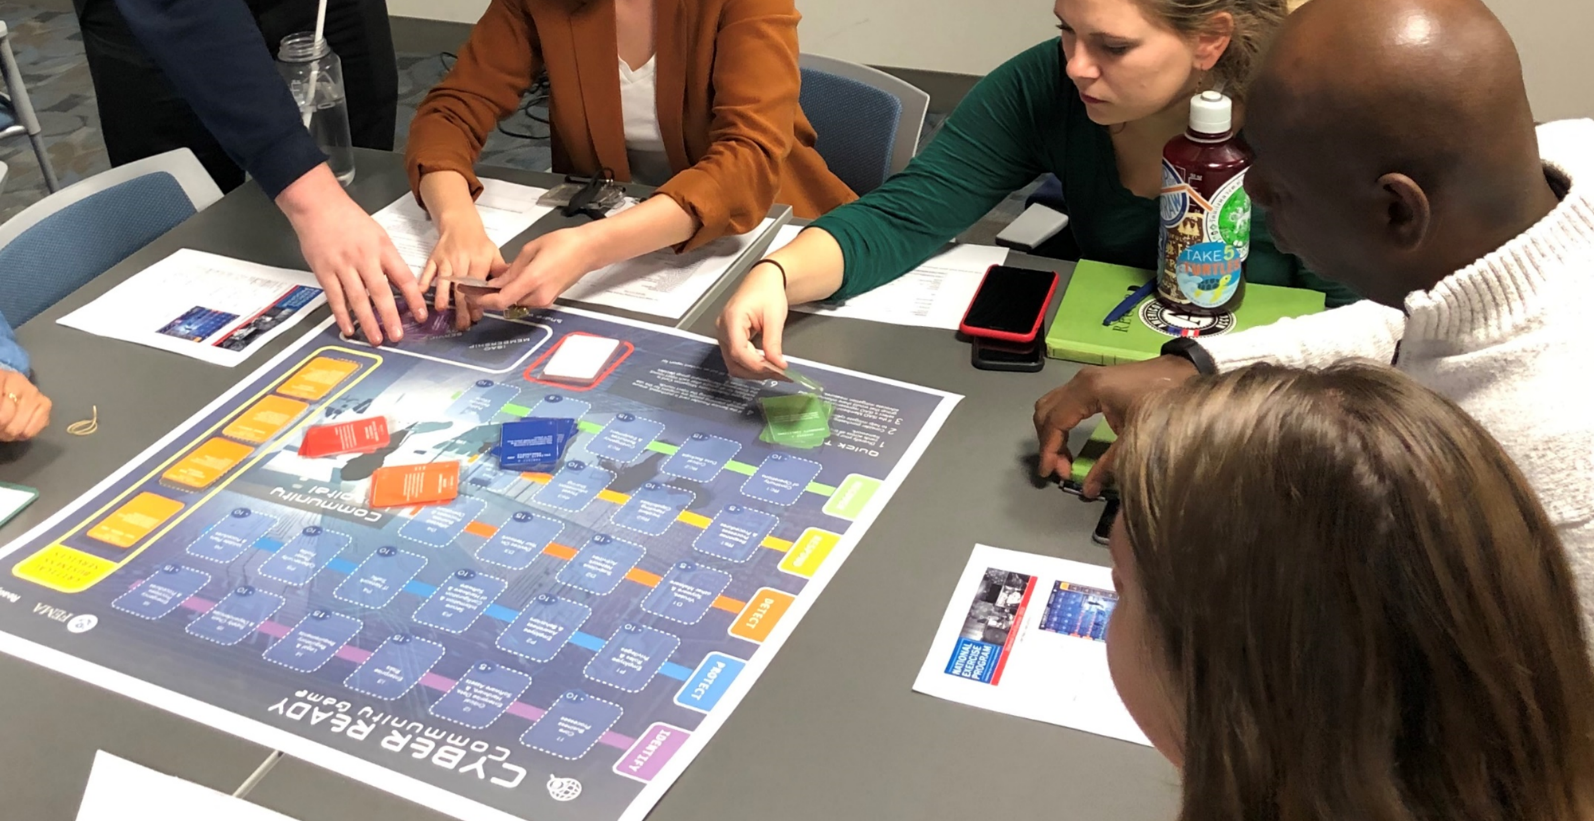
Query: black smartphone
[991, 356]
[1109, 514]
[1010, 305]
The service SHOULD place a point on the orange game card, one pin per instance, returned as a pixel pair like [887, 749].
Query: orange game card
[135, 519]
[207, 463]
[429, 484]
[358, 436]
[264, 419]
[318, 377]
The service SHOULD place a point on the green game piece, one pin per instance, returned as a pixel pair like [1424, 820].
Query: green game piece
[796, 420]
[805, 382]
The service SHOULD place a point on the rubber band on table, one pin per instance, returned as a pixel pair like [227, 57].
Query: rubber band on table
[86, 427]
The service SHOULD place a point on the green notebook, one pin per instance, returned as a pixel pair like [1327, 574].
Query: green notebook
[1096, 288]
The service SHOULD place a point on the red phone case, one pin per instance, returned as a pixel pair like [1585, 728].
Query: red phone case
[1007, 336]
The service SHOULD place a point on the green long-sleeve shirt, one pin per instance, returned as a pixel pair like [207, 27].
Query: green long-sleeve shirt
[1023, 120]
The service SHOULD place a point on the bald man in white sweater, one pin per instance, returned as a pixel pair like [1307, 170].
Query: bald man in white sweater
[1395, 152]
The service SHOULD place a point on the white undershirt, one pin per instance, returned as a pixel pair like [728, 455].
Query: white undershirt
[644, 143]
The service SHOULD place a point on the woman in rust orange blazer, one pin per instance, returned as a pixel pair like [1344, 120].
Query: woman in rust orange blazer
[697, 97]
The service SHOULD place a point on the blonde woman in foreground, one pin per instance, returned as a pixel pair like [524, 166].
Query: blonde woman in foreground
[1339, 599]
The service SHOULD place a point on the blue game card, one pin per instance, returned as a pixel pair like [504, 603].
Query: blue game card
[439, 525]
[313, 641]
[164, 591]
[701, 457]
[395, 667]
[544, 627]
[380, 577]
[483, 694]
[687, 592]
[736, 533]
[632, 657]
[236, 616]
[534, 442]
[653, 508]
[574, 486]
[781, 479]
[557, 406]
[304, 555]
[520, 540]
[460, 601]
[625, 438]
[229, 538]
[601, 564]
[572, 726]
[482, 401]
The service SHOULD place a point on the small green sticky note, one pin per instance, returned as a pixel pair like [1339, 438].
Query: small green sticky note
[796, 420]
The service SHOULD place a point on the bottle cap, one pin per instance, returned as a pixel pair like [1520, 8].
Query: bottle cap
[1211, 112]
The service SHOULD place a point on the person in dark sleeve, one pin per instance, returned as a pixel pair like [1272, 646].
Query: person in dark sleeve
[142, 113]
[200, 74]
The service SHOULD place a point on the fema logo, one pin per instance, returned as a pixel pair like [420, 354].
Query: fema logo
[1164, 320]
[1175, 199]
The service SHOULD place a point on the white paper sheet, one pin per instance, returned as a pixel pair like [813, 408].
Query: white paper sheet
[119, 790]
[210, 307]
[933, 295]
[664, 283]
[506, 210]
[1023, 636]
[13, 498]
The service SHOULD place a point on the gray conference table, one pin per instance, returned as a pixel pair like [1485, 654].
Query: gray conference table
[832, 729]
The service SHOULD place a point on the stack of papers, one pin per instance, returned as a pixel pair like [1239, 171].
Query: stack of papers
[506, 210]
[664, 283]
[209, 307]
[934, 295]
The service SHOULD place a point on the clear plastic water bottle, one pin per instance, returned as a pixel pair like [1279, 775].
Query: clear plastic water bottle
[315, 78]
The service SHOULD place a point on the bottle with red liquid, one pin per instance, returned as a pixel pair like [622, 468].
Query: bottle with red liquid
[1206, 214]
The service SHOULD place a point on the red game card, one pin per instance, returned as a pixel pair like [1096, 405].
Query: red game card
[358, 436]
[429, 484]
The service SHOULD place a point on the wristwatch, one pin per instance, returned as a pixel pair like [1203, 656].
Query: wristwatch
[1190, 350]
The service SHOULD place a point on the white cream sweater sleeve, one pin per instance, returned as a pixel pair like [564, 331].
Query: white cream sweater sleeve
[1361, 330]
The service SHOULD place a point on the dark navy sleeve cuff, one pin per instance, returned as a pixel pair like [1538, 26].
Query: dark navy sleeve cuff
[288, 159]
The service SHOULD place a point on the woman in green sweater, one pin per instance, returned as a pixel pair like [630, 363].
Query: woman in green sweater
[1095, 109]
